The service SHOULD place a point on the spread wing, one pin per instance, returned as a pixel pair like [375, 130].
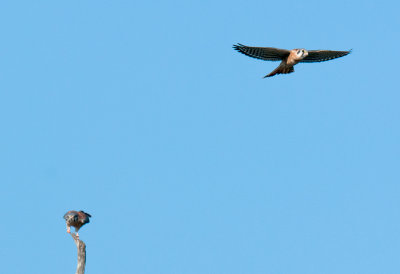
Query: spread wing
[267, 54]
[323, 55]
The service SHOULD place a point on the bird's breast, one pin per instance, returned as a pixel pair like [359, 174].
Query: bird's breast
[292, 61]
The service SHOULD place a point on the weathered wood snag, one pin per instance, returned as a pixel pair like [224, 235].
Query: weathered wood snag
[80, 268]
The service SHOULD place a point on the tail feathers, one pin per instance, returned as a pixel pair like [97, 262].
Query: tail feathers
[281, 69]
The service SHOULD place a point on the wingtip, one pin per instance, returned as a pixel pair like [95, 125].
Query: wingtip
[238, 45]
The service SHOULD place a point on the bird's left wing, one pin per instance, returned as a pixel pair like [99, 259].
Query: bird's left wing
[323, 55]
[267, 54]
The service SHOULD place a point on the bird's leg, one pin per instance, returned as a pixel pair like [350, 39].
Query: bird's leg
[68, 229]
[76, 231]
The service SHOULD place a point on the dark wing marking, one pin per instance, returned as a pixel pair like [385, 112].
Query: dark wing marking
[323, 55]
[267, 54]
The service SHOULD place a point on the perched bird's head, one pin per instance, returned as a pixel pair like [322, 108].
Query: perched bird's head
[71, 217]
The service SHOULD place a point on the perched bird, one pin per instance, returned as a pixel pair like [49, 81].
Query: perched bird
[289, 58]
[76, 219]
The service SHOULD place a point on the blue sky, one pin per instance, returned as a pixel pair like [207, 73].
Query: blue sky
[143, 115]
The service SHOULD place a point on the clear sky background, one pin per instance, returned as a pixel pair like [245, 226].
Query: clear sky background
[142, 114]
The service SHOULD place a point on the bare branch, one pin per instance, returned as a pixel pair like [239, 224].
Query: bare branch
[80, 269]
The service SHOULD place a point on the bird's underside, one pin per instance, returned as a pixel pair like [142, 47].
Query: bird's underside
[288, 58]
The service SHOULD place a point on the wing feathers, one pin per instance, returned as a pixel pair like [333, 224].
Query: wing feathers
[267, 54]
[323, 55]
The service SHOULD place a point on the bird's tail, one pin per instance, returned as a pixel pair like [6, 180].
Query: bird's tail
[281, 69]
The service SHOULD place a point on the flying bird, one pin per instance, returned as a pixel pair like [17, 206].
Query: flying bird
[289, 58]
[76, 219]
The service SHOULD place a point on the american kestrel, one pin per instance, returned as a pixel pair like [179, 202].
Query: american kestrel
[76, 219]
[289, 58]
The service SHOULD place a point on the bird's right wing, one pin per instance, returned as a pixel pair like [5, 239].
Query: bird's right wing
[323, 55]
[267, 54]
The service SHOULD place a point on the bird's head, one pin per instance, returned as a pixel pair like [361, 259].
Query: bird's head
[71, 218]
[301, 53]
